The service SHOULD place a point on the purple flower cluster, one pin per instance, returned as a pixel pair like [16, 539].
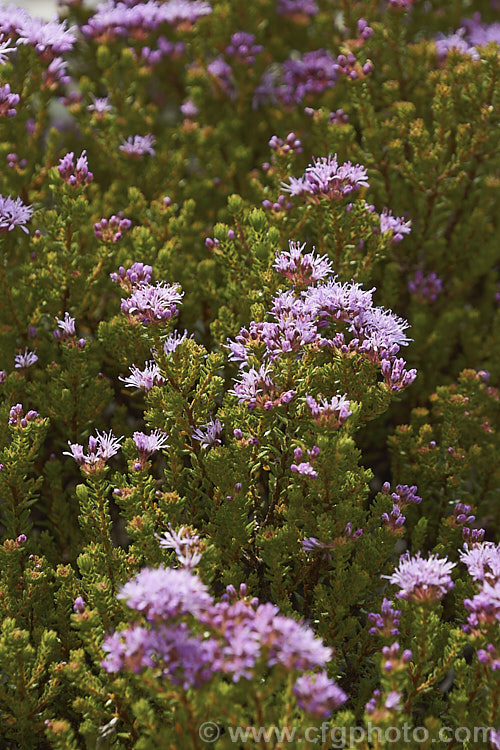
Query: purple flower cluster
[137, 273]
[425, 288]
[386, 622]
[165, 593]
[209, 435]
[56, 73]
[14, 213]
[173, 340]
[326, 178]
[481, 34]
[331, 413]
[395, 224]
[138, 145]
[302, 268]
[189, 109]
[395, 374]
[297, 78]
[482, 561]
[101, 106]
[282, 204]
[238, 636]
[317, 695]
[393, 659]
[75, 175]
[289, 145]
[100, 449]
[297, 10]
[404, 495]
[394, 520]
[483, 564]
[457, 42]
[50, 39]
[472, 535]
[17, 418]
[152, 304]
[461, 514]
[489, 656]
[377, 702]
[12, 19]
[468, 38]
[185, 545]
[256, 388]
[144, 379]
[222, 75]
[5, 48]
[66, 331]
[112, 229]
[123, 19]
[422, 580]
[313, 544]
[8, 101]
[25, 359]
[348, 66]
[484, 608]
[165, 49]
[299, 322]
[148, 444]
[305, 468]
[243, 48]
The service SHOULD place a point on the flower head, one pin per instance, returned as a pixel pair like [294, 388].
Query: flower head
[455, 41]
[380, 328]
[318, 695]
[75, 175]
[297, 9]
[243, 48]
[331, 413]
[100, 106]
[185, 546]
[26, 359]
[153, 304]
[49, 38]
[386, 622]
[422, 580]
[482, 561]
[8, 101]
[138, 145]
[425, 288]
[162, 593]
[138, 273]
[5, 49]
[395, 224]
[302, 268]
[173, 340]
[112, 230]
[14, 213]
[484, 607]
[209, 435]
[144, 379]
[304, 468]
[326, 177]
[100, 449]
[66, 325]
[148, 444]
[17, 417]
